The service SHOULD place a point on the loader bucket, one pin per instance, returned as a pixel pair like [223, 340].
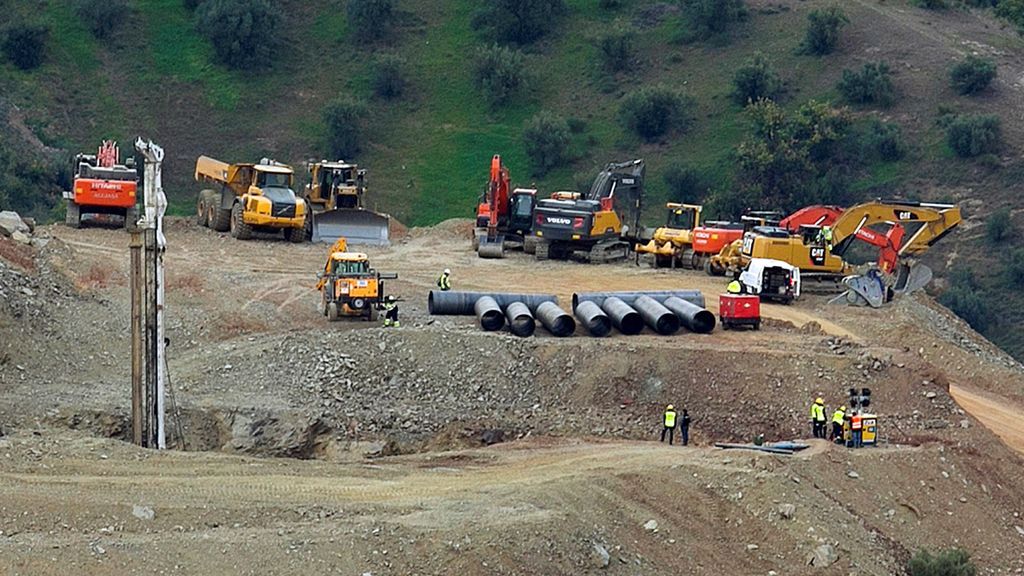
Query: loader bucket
[491, 247]
[357, 226]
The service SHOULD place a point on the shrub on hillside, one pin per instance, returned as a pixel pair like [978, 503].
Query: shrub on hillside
[685, 184]
[343, 120]
[389, 76]
[963, 300]
[823, 28]
[981, 3]
[610, 4]
[616, 47]
[1012, 10]
[755, 80]
[951, 562]
[102, 17]
[974, 134]
[653, 111]
[370, 19]
[932, 4]
[706, 18]
[244, 33]
[25, 45]
[1015, 268]
[191, 4]
[999, 226]
[546, 138]
[885, 141]
[518, 21]
[973, 74]
[872, 85]
[499, 73]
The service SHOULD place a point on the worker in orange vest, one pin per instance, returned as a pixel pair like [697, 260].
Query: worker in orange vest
[856, 428]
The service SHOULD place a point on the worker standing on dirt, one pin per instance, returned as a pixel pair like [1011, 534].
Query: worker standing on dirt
[444, 282]
[837, 423]
[391, 312]
[818, 418]
[856, 428]
[684, 427]
[670, 423]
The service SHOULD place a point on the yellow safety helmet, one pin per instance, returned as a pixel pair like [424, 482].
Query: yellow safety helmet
[842, 408]
[670, 407]
[819, 401]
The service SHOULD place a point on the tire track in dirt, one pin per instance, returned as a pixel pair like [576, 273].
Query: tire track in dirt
[997, 414]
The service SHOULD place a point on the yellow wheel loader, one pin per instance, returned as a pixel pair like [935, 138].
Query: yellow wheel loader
[335, 194]
[248, 198]
[348, 286]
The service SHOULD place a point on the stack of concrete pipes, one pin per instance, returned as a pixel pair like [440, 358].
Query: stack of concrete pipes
[663, 311]
[493, 310]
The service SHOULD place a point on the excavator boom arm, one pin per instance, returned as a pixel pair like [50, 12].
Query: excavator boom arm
[936, 220]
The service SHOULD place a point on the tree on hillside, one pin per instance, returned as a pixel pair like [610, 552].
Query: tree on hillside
[972, 74]
[616, 47]
[786, 156]
[823, 28]
[971, 135]
[546, 138]
[706, 18]
[1011, 10]
[244, 33]
[999, 226]
[654, 111]
[755, 80]
[344, 119]
[518, 21]
[25, 45]
[499, 73]
[389, 76]
[963, 300]
[102, 16]
[686, 184]
[370, 19]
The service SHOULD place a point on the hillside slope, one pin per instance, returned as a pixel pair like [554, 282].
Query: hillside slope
[427, 153]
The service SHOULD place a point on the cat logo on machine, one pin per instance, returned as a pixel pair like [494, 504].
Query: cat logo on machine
[748, 244]
[904, 215]
[818, 256]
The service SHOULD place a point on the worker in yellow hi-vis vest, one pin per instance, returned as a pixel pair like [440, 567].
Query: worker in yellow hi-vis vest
[670, 423]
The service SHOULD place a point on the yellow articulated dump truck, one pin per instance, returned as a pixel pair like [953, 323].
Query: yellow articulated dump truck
[248, 198]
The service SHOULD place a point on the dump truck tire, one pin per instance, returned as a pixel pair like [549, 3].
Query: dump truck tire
[73, 215]
[239, 229]
[202, 214]
[295, 235]
[219, 219]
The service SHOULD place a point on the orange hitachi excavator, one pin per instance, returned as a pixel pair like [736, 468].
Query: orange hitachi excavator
[502, 217]
[102, 185]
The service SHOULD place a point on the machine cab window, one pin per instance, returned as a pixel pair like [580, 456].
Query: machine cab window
[681, 219]
[348, 268]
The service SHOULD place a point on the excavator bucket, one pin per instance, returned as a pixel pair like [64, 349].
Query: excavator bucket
[358, 226]
[867, 289]
[911, 278]
[491, 247]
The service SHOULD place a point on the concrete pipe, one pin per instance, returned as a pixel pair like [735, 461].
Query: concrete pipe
[695, 318]
[489, 314]
[451, 303]
[555, 320]
[659, 318]
[623, 317]
[593, 319]
[520, 321]
[695, 297]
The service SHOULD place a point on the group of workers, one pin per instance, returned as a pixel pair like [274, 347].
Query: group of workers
[671, 420]
[839, 421]
[390, 305]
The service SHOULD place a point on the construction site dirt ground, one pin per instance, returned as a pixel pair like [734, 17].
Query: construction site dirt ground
[435, 448]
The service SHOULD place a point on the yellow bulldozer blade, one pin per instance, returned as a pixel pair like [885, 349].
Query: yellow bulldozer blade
[358, 226]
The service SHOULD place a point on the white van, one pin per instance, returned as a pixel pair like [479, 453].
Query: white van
[771, 280]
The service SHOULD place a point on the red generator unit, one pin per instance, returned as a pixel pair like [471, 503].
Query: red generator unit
[739, 310]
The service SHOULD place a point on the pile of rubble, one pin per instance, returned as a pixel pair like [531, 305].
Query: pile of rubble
[16, 228]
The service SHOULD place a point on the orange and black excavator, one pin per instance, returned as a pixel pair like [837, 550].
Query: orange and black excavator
[502, 217]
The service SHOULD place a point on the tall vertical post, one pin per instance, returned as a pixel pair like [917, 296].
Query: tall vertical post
[151, 358]
[138, 290]
[156, 368]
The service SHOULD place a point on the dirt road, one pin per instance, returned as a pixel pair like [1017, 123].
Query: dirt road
[999, 415]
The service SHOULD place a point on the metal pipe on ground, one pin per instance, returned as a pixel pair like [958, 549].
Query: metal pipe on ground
[452, 303]
[695, 297]
[623, 317]
[593, 319]
[555, 320]
[659, 318]
[694, 318]
[489, 314]
[520, 320]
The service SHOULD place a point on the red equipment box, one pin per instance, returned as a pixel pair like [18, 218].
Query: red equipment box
[739, 310]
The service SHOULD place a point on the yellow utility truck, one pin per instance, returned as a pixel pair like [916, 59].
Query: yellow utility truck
[348, 286]
[335, 193]
[248, 198]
